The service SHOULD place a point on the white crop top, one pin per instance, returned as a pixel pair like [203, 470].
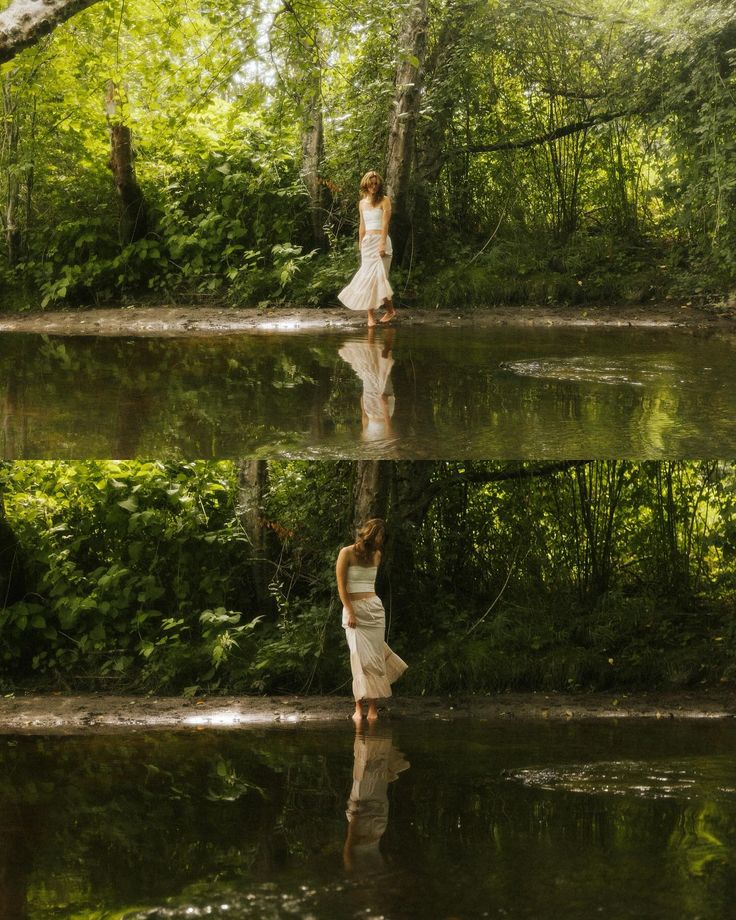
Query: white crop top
[361, 579]
[373, 218]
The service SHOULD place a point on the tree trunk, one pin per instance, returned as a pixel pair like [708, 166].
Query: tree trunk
[300, 31]
[28, 222]
[313, 148]
[252, 488]
[24, 22]
[10, 217]
[12, 581]
[599, 485]
[411, 498]
[133, 218]
[440, 93]
[402, 123]
[370, 490]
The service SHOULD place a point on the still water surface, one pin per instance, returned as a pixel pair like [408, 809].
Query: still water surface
[413, 820]
[455, 393]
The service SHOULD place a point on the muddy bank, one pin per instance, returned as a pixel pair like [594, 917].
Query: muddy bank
[75, 714]
[199, 321]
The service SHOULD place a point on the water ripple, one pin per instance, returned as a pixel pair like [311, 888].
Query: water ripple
[633, 778]
[629, 371]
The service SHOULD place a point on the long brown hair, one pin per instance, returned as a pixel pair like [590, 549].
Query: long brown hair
[376, 196]
[366, 540]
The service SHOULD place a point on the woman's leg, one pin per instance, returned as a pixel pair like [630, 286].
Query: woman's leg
[358, 714]
[390, 309]
[371, 318]
[372, 711]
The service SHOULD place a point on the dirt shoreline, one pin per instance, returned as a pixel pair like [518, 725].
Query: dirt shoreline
[207, 321]
[81, 714]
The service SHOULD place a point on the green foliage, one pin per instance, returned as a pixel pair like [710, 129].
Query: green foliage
[610, 574]
[218, 228]
[126, 556]
[585, 269]
[636, 207]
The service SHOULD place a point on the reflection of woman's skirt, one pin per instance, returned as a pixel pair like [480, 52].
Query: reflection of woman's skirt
[375, 371]
[376, 763]
[378, 390]
[375, 667]
[369, 364]
[369, 287]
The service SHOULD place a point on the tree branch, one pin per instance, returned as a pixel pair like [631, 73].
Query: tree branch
[522, 472]
[564, 131]
[25, 22]
[433, 490]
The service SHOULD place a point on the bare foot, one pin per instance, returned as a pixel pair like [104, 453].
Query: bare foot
[357, 716]
[372, 714]
[389, 314]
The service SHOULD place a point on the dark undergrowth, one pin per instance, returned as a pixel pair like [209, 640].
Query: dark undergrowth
[583, 271]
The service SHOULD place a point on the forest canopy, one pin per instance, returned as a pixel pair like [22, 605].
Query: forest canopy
[553, 151]
[194, 577]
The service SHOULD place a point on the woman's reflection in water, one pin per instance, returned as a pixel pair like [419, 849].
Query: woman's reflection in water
[376, 763]
[373, 361]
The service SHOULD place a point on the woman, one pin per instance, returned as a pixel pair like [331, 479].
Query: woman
[375, 667]
[369, 288]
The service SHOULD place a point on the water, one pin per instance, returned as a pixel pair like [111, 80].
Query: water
[454, 393]
[460, 820]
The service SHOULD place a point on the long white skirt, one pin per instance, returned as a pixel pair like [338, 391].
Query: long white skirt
[369, 286]
[375, 667]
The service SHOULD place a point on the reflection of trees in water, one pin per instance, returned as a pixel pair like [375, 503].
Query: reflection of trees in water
[14, 416]
[121, 821]
[19, 826]
[415, 405]
[132, 414]
[163, 397]
[702, 841]
[233, 396]
[110, 822]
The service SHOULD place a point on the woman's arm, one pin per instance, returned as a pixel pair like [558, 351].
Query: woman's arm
[341, 574]
[361, 228]
[386, 205]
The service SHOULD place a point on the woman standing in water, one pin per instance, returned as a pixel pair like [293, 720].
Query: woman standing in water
[369, 288]
[375, 667]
